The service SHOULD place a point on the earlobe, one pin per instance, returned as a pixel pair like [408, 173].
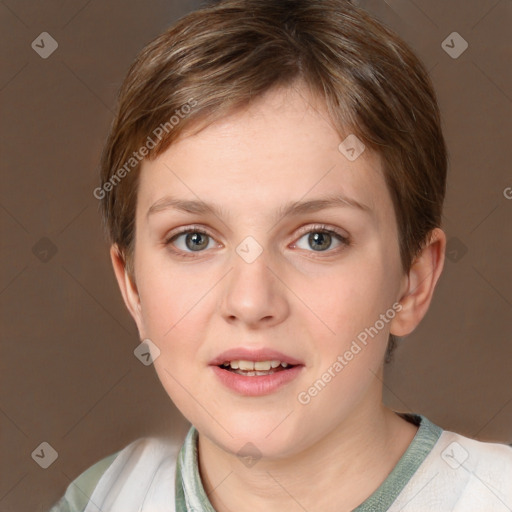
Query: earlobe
[420, 284]
[128, 289]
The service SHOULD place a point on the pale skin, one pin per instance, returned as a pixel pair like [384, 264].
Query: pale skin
[332, 453]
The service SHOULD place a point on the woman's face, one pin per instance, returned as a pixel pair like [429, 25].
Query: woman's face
[267, 272]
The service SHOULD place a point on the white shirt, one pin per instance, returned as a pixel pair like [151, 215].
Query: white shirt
[440, 471]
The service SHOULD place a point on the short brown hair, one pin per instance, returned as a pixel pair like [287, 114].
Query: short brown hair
[222, 56]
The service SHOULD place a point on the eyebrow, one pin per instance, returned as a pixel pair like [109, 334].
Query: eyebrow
[292, 208]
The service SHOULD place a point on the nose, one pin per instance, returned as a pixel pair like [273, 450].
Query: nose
[253, 294]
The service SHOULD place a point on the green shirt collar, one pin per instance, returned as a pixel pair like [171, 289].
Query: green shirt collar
[421, 445]
[191, 496]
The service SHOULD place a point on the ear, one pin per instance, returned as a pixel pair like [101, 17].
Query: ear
[128, 288]
[419, 284]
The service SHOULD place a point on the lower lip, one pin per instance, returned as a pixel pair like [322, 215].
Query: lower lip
[257, 385]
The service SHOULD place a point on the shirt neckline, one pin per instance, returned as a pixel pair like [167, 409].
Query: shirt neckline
[421, 445]
[191, 496]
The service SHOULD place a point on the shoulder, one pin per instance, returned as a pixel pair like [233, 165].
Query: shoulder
[481, 461]
[80, 489]
[132, 462]
[490, 458]
[461, 474]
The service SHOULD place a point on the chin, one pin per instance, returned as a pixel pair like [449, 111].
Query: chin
[254, 435]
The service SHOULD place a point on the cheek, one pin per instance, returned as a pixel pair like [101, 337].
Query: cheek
[177, 300]
[349, 354]
[170, 294]
[351, 306]
[174, 317]
[349, 299]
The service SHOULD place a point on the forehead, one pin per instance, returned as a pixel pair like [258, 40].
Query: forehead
[282, 148]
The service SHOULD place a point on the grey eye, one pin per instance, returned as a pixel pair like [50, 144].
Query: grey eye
[317, 240]
[195, 241]
[320, 241]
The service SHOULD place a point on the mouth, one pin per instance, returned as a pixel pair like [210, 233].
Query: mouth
[255, 368]
[253, 372]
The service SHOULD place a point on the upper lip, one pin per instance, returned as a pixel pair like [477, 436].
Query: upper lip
[247, 354]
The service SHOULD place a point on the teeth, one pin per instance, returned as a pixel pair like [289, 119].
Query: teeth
[245, 365]
[251, 374]
[250, 366]
[262, 365]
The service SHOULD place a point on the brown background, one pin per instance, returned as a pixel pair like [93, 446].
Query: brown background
[69, 376]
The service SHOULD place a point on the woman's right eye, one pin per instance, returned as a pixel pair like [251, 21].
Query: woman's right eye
[191, 240]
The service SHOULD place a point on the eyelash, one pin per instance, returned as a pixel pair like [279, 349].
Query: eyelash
[317, 228]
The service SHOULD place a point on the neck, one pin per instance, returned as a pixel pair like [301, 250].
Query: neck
[357, 456]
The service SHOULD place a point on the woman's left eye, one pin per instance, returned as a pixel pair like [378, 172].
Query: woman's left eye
[320, 240]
